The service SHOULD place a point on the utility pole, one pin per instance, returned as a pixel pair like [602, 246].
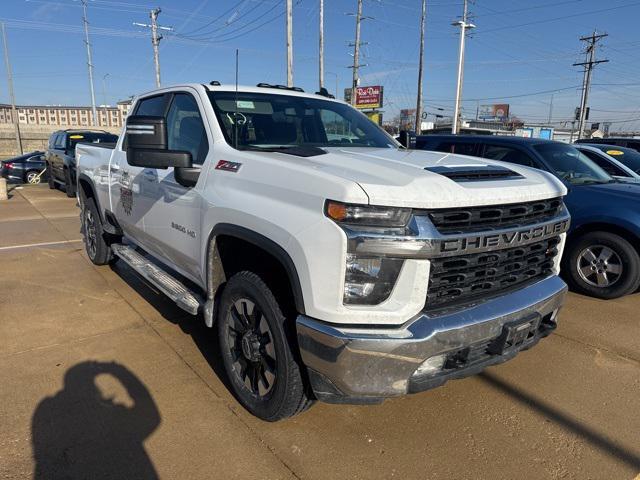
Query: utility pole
[289, 43]
[155, 39]
[464, 26]
[550, 109]
[418, 126]
[14, 114]
[588, 64]
[89, 62]
[321, 48]
[356, 56]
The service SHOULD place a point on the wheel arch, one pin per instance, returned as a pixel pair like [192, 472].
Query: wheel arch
[259, 242]
[632, 237]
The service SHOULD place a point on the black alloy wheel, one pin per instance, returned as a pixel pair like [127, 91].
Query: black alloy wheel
[258, 350]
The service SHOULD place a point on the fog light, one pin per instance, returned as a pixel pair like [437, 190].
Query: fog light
[431, 365]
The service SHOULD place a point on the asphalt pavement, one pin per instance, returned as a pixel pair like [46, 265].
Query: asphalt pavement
[102, 377]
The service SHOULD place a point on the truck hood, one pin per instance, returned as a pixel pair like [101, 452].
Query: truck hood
[606, 192]
[400, 178]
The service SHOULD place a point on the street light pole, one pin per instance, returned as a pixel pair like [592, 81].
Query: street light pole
[418, 126]
[104, 97]
[321, 48]
[14, 113]
[89, 62]
[464, 26]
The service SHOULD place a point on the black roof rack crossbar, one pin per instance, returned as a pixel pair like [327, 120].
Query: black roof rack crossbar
[281, 87]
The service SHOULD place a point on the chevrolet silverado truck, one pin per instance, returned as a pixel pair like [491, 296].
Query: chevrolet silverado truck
[334, 264]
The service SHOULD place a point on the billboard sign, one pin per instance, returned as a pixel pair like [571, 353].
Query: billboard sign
[495, 111]
[369, 97]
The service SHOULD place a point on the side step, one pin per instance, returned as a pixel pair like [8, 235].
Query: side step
[172, 288]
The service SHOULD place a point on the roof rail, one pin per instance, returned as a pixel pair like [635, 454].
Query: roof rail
[280, 87]
[325, 93]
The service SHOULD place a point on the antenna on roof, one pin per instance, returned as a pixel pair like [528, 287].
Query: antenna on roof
[235, 116]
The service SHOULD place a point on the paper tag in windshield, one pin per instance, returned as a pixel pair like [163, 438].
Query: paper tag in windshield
[614, 152]
[246, 104]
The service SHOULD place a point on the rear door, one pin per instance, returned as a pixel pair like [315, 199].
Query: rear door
[173, 219]
[129, 201]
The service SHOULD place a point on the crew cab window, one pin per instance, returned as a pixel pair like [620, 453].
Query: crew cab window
[185, 128]
[508, 154]
[152, 106]
[604, 164]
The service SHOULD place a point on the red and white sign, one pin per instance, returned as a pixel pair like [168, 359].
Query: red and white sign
[369, 97]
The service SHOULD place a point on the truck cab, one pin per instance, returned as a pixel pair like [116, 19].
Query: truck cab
[334, 264]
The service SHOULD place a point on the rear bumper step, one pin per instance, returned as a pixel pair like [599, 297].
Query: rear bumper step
[185, 298]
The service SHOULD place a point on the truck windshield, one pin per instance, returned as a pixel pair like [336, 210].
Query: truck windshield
[262, 121]
[571, 165]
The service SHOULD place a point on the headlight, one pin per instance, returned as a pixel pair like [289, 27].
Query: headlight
[369, 281]
[367, 215]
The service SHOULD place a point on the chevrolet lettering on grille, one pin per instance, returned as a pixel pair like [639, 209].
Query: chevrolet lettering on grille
[503, 240]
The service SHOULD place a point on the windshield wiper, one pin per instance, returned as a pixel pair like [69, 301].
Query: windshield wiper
[297, 150]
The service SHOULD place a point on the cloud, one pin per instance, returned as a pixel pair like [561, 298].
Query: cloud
[46, 12]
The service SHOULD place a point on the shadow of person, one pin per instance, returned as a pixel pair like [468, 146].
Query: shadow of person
[80, 434]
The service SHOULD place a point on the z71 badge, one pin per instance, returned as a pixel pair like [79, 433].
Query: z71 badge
[228, 166]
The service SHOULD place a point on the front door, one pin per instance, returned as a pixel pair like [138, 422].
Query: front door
[173, 220]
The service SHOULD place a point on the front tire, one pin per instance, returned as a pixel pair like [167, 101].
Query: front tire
[602, 265]
[50, 180]
[256, 348]
[98, 251]
[68, 184]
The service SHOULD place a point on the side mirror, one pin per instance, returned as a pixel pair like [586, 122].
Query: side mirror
[146, 141]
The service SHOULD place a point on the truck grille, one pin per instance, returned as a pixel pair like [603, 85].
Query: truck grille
[465, 220]
[467, 277]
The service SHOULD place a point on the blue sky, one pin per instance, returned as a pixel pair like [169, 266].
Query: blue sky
[518, 49]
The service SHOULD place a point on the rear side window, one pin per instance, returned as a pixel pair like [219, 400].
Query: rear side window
[604, 164]
[152, 106]
[508, 154]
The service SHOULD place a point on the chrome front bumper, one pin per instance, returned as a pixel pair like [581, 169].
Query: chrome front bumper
[354, 365]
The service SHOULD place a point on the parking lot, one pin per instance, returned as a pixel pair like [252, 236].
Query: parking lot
[102, 376]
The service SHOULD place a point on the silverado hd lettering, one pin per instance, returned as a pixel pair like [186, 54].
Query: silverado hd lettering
[333, 264]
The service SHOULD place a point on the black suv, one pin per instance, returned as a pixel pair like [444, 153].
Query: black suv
[61, 155]
[620, 142]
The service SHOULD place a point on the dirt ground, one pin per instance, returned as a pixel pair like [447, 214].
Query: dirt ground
[102, 377]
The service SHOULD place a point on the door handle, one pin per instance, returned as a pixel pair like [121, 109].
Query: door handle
[114, 168]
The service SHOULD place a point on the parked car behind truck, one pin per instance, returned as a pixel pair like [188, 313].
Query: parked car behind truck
[61, 155]
[25, 168]
[334, 264]
[602, 257]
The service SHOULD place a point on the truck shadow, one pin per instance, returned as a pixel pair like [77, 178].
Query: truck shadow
[78, 433]
[597, 439]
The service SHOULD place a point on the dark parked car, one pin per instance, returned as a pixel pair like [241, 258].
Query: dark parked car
[25, 168]
[620, 142]
[61, 155]
[629, 157]
[602, 257]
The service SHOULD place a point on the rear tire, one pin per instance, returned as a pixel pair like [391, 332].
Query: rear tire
[602, 265]
[50, 179]
[68, 185]
[98, 251]
[256, 347]
[32, 177]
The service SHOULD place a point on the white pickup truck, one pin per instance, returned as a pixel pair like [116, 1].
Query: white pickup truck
[334, 264]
